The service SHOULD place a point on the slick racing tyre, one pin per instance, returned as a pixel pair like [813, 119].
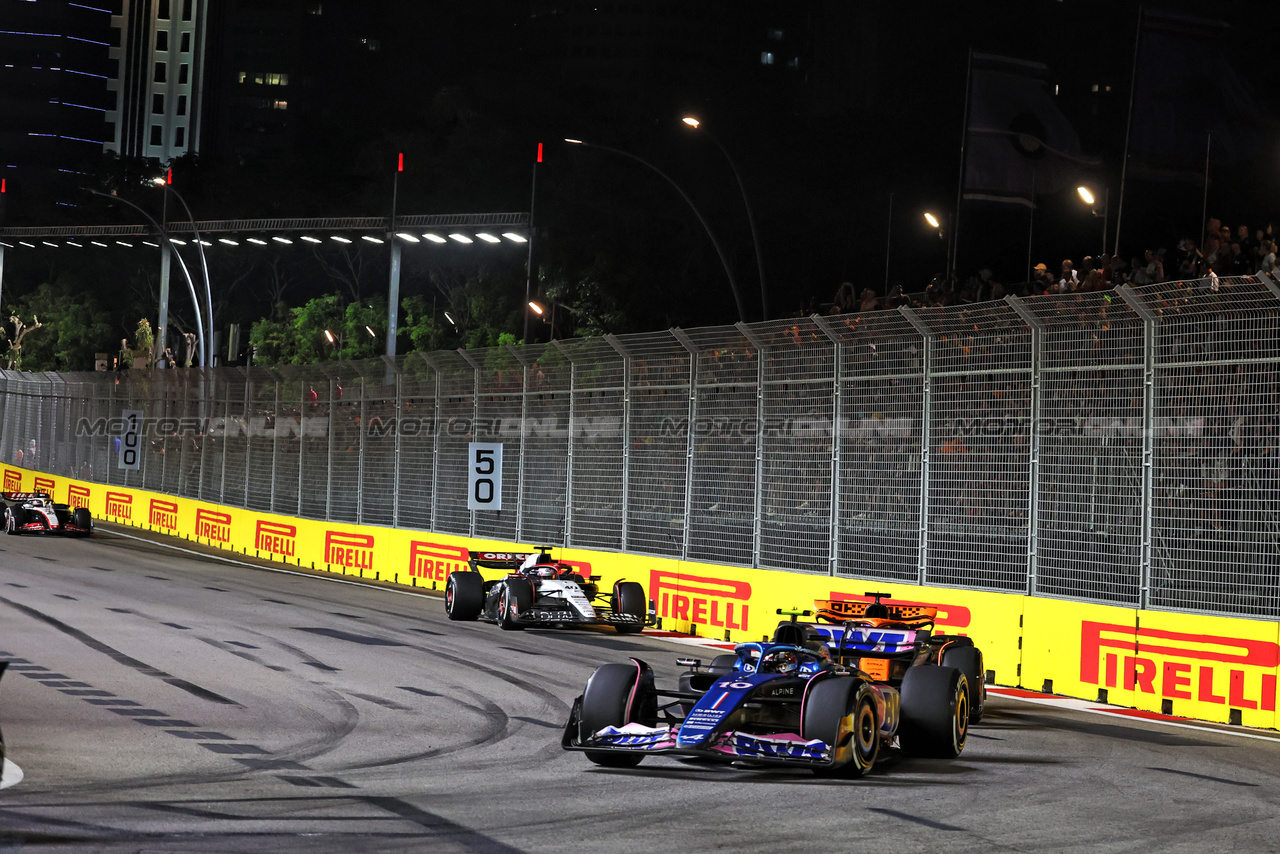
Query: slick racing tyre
[517, 594]
[628, 598]
[842, 712]
[81, 518]
[969, 661]
[464, 595]
[613, 698]
[934, 711]
[11, 520]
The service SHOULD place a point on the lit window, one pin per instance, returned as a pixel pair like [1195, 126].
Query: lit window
[275, 79]
[766, 57]
[279, 105]
[242, 77]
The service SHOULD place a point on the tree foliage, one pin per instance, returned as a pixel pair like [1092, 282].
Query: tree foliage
[74, 328]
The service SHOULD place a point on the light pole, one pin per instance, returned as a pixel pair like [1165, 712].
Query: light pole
[751, 219]
[164, 235]
[728, 271]
[540, 310]
[936, 225]
[1086, 195]
[167, 184]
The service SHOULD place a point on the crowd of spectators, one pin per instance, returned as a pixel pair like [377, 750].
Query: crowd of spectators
[1221, 252]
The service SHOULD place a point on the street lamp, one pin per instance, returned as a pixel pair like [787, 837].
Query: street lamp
[751, 219]
[167, 184]
[540, 310]
[933, 221]
[728, 271]
[1086, 195]
[186, 274]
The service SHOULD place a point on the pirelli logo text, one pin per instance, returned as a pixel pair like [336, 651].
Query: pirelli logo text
[697, 599]
[1178, 665]
[78, 496]
[163, 514]
[45, 484]
[276, 538]
[213, 525]
[12, 480]
[120, 505]
[434, 561]
[353, 551]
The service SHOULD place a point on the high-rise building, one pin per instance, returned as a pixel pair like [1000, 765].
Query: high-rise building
[157, 85]
[54, 66]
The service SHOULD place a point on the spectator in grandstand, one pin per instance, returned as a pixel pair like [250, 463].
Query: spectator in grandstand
[1069, 280]
[1246, 242]
[1040, 278]
[844, 300]
[1239, 263]
[1268, 261]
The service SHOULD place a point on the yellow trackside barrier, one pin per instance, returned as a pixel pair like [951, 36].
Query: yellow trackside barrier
[1209, 668]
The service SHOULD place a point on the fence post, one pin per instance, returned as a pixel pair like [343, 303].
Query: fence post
[392, 367]
[926, 405]
[689, 443]
[328, 464]
[524, 431]
[475, 422]
[1033, 475]
[626, 432]
[837, 438]
[302, 439]
[1150, 332]
[364, 420]
[568, 481]
[758, 509]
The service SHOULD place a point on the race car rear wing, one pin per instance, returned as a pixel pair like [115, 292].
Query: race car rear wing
[510, 561]
[25, 496]
[841, 610]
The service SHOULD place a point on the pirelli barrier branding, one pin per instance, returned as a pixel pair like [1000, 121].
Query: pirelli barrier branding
[1208, 668]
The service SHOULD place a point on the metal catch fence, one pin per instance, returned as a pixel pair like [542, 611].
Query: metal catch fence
[1119, 447]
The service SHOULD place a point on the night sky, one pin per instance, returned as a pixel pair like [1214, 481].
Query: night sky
[820, 181]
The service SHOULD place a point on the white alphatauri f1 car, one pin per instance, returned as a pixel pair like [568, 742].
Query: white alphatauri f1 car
[540, 591]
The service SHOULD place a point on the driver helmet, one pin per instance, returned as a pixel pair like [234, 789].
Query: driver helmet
[786, 662]
[545, 572]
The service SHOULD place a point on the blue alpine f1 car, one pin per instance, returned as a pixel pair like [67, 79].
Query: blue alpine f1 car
[827, 696]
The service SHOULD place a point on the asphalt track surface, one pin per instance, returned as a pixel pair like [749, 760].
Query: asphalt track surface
[168, 701]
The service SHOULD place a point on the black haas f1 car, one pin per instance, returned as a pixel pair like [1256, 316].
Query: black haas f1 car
[539, 591]
[828, 696]
[35, 512]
